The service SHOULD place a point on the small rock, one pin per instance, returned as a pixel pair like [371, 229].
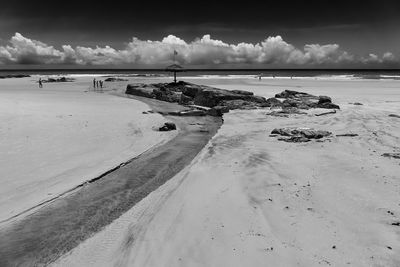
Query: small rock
[347, 134]
[391, 155]
[394, 115]
[168, 126]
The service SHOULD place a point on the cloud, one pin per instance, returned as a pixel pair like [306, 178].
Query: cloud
[273, 51]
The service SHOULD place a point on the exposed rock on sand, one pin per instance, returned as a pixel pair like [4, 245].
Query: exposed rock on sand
[220, 100]
[285, 112]
[347, 135]
[394, 115]
[305, 101]
[391, 155]
[59, 80]
[168, 126]
[14, 76]
[297, 135]
[115, 79]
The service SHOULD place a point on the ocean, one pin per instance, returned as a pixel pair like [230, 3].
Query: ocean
[218, 73]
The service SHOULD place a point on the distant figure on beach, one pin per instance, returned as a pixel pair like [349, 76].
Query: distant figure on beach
[97, 84]
[101, 84]
[40, 83]
[259, 77]
[94, 83]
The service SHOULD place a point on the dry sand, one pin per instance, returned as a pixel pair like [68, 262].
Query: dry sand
[55, 138]
[250, 200]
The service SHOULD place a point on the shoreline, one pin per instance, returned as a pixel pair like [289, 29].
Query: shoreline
[58, 227]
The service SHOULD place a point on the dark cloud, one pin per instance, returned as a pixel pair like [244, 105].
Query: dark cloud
[360, 27]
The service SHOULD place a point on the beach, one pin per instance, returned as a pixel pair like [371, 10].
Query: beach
[244, 198]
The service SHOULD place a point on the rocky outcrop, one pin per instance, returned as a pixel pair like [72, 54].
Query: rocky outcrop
[115, 79]
[168, 126]
[391, 155]
[140, 89]
[14, 76]
[297, 135]
[305, 101]
[286, 112]
[218, 100]
[221, 101]
[59, 80]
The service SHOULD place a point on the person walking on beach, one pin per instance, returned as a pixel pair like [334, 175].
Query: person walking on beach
[94, 83]
[101, 84]
[40, 83]
[97, 84]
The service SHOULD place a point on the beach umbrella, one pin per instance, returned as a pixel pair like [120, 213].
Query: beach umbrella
[174, 68]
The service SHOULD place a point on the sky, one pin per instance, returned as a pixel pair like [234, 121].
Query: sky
[208, 34]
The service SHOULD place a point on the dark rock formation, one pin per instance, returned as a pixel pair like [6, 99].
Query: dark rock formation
[115, 79]
[220, 100]
[168, 126]
[326, 113]
[305, 101]
[59, 80]
[274, 102]
[140, 89]
[297, 135]
[285, 112]
[14, 76]
[186, 100]
[391, 155]
[166, 95]
[394, 115]
[242, 92]
[347, 135]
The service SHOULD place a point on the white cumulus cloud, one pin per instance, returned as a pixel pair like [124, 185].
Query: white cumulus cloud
[201, 51]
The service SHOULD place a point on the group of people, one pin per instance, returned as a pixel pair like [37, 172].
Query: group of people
[97, 84]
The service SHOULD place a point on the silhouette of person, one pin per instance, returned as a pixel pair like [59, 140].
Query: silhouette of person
[97, 84]
[94, 83]
[40, 83]
[101, 84]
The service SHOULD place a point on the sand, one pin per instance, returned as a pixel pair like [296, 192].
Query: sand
[250, 200]
[55, 138]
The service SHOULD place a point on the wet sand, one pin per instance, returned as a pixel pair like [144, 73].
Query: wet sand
[53, 230]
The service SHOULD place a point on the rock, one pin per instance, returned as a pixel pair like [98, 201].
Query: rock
[58, 80]
[115, 79]
[166, 95]
[394, 115]
[358, 104]
[285, 112]
[391, 155]
[140, 90]
[14, 76]
[191, 90]
[282, 131]
[324, 99]
[326, 113]
[295, 139]
[305, 101]
[273, 102]
[193, 113]
[297, 135]
[186, 100]
[242, 92]
[347, 135]
[328, 106]
[218, 111]
[292, 94]
[168, 126]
